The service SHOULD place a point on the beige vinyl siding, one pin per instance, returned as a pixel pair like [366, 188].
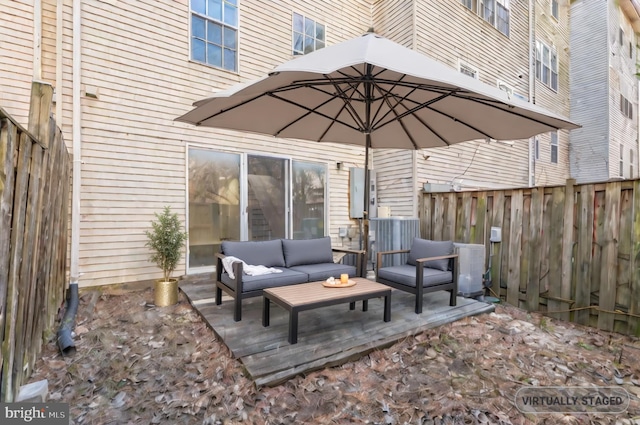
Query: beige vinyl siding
[622, 81]
[136, 54]
[16, 55]
[448, 32]
[555, 34]
[395, 185]
[394, 20]
[590, 104]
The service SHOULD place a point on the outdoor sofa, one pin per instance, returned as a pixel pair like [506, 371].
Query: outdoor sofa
[430, 267]
[297, 261]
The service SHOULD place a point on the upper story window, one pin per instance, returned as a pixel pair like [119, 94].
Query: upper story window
[554, 9]
[621, 170]
[626, 107]
[214, 33]
[547, 65]
[632, 166]
[467, 69]
[308, 35]
[554, 147]
[496, 12]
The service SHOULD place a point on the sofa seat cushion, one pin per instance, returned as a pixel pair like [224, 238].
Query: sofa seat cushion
[300, 252]
[256, 253]
[272, 280]
[406, 275]
[317, 272]
[424, 248]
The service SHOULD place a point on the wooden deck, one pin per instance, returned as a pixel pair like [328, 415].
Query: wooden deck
[327, 336]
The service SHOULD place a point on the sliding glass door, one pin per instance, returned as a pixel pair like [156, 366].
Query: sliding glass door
[250, 197]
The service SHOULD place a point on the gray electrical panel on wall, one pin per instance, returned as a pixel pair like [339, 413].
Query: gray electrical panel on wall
[356, 193]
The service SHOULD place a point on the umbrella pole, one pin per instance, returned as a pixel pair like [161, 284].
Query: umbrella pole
[365, 213]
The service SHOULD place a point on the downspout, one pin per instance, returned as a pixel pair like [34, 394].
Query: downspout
[65, 339]
[532, 90]
[414, 153]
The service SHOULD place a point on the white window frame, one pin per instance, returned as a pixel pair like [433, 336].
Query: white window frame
[536, 149]
[234, 4]
[489, 10]
[626, 107]
[555, 9]
[547, 65]
[555, 147]
[632, 164]
[317, 42]
[468, 69]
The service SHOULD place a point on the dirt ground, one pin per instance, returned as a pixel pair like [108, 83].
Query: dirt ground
[139, 364]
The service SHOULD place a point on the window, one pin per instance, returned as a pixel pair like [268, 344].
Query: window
[467, 69]
[308, 35]
[632, 160]
[630, 50]
[554, 8]
[547, 65]
[495, 12]
[621, 169]
[214, 33]
[626, 107]
[536, 147]
[621, 36]
[554, 147]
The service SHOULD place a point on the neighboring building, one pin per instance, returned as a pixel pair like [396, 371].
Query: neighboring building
[519, 46]
[604, 89]
[123, 70]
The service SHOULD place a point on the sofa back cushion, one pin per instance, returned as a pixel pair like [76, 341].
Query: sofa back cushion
[261, 253]
[307, 251]
[424, 248]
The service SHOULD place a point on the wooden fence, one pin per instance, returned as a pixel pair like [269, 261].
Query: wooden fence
[572, 252]
[34, 193]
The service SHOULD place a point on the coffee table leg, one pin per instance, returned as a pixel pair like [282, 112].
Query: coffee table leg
[365, 305]
[387, 308]
[293, 327]
[352, 306]
[265, 311]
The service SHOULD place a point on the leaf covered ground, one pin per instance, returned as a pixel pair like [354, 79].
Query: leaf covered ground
[139, 364]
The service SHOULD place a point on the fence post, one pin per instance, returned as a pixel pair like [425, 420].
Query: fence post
[634, 308]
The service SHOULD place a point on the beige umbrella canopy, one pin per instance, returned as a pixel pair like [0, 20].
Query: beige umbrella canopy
[372, 92]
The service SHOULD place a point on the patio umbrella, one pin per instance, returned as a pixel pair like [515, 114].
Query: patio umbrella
[372, 92]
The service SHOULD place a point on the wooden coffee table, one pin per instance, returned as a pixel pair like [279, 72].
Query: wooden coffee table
[308, 296]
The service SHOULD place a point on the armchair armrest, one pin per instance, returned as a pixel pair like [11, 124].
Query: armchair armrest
[360, 260]
[420, 262]
[237, 270]
[382, 253]
[441, 257]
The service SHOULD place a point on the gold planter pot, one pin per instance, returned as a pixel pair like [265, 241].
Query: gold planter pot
[166, 293]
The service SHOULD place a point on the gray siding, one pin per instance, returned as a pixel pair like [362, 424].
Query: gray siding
[589, 156]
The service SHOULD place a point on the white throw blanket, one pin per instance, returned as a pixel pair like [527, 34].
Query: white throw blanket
[227, 263]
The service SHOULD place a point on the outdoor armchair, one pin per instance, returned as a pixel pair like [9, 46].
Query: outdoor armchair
[430, 267]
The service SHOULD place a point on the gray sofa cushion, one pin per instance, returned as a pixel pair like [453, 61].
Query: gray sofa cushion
[406, 275]
[254, 283]
[324, 271]
[307, 251]
[424, 248]
[262, 253]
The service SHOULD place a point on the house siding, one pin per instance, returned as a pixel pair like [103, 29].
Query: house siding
[16, 51]
[589, 94]
[622, 81]
[135, 56]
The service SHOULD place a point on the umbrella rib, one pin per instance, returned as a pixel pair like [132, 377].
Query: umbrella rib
[309, 112]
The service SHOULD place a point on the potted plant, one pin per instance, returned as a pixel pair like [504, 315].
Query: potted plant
[166, 240]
